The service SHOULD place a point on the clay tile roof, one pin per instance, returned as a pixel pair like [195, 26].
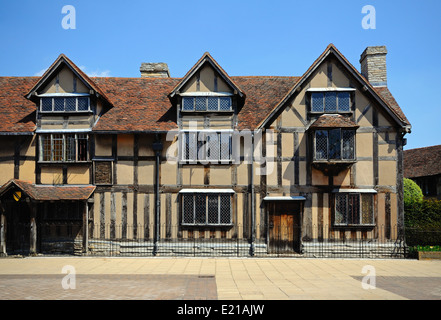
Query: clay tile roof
[422, 162]
[17, 114]
[263, 93]
[388, 98]
[139, 104]
[143, 104]
[333, 121]
[50, 192]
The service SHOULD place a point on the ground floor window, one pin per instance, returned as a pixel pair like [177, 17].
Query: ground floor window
[206, 208]
[354, 209]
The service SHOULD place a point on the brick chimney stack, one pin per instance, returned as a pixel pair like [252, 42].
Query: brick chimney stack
[373, 65]
[154, 70]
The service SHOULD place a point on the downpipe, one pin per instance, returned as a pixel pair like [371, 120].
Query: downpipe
[157, 147]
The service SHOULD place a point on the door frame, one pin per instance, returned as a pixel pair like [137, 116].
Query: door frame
[297, 205]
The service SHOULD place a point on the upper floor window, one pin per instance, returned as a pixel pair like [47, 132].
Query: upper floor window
[206, 146]
[334, 144]
[331, 101]
[207, 103]
[64, 147]
[65, 104]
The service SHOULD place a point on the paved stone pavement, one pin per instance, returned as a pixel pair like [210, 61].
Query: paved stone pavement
[156, 278]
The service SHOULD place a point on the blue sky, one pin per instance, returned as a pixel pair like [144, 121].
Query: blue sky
[280, 38]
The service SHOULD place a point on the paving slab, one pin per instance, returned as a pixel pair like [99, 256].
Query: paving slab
[162, 278]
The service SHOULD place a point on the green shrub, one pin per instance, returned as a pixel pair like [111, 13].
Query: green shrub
[422, 220]
[412, 192]
[424, 214]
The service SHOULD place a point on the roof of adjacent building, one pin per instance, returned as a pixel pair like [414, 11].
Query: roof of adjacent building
[422, 162]
[143, 104]
[49, 192]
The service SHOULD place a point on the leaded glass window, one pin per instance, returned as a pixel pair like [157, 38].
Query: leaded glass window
[206, 146]
[213, 104]
[65, 104]
[207, 103]
[348, 144]
[187, 104]
[70, 148]
[335, 144]
[64, 147]
[344, 101]
[200, 103]
[57, 147]
[354, 209]
[58, 104]
[46, 104]
[225, 104]
[317, 102]
[83, 104]
[206, 209]
[330, 102]
[71, 104]
[321, 144]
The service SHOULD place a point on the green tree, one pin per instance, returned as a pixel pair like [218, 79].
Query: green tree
[412, 192]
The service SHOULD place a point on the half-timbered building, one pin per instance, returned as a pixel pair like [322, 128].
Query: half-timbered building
[204, 164]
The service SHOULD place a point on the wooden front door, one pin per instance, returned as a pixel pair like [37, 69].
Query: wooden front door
[17, 228]
[284, 226]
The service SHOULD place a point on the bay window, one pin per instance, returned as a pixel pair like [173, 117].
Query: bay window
[334, 144]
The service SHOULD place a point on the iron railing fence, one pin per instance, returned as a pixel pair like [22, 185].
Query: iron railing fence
[59, 237]
[422, 237]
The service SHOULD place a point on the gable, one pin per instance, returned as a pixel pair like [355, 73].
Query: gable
[207, 79]
[330, 71]
[63, 76]
[64, 81]
[332, 76]
[206, 76]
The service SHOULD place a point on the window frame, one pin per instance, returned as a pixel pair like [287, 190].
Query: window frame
[187, 157]
[63, 137]
[360, 212]
[342, 147]
[65, 97]
[206, 194]
[207, 99]
[337, 93]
